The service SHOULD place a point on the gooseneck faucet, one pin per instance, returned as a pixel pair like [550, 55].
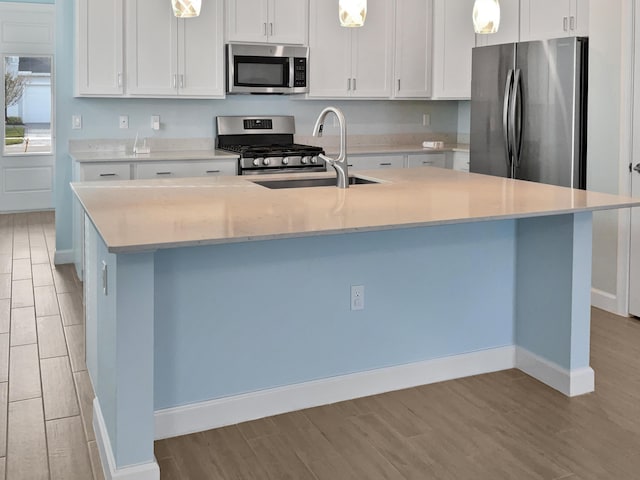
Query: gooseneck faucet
[340, 163]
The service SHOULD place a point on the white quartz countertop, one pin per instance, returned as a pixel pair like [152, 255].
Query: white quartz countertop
[143, 215]
[399, 149]
[129, 156]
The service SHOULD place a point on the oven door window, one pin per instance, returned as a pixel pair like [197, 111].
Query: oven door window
[261, 71]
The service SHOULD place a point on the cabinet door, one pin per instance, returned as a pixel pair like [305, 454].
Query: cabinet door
[105, 172]
[201, 52]
[413, 49]
[151, 47]
[509, 31]
[426, 160]
[461, 161]
[580, 23]
[247, 20]
[544, 19]
[372, 52]
[453, 38]
[288, 20]
[374, 162]
[330, 52]
[99, 45]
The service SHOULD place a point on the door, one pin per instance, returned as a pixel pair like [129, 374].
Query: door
[27, 97]
[413, 49]
[288, 20]
[491, 82]
[550, 104]
[634, 281]
[201, 69]
[247, 20]
[152, 40]
[544, 19]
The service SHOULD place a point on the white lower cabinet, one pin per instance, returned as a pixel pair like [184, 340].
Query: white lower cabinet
[371, 162]
[148, 170]
[460, 161]
[426, 160]
[105, 172]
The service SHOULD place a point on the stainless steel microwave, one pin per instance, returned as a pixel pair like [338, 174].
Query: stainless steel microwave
[261, 68]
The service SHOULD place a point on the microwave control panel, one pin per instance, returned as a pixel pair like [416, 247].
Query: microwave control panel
[300, 72]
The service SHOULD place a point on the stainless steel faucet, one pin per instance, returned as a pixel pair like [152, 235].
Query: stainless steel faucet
[340, 163]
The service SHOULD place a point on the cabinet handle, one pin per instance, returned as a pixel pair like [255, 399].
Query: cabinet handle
[181, 81]
[398, 84]
[572, 22]
[271, 29]
[175, 81]
[565, 24]
[427, 162]
[163, 173]
[265, 28]
[350, 164]
[354, 84]
[108, 174]
[386, 164]
[119, 79]
[348, 84]
[213, 171]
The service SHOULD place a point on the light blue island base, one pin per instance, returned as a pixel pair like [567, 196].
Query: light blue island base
[189, 339]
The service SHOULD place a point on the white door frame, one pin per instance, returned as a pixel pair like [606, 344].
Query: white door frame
[27, 181]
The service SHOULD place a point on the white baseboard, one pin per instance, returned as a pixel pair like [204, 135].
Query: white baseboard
[608, 302]
[62, 257]
[147, 471]
[203, 416]
[570, 382]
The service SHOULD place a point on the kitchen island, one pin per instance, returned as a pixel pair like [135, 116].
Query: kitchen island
[211, 301]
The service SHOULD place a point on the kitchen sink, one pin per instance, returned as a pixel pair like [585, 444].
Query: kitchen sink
[311, 182]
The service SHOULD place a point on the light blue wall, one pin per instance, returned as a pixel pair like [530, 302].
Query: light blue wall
[194, 118]
[243, 317]
[28, 1]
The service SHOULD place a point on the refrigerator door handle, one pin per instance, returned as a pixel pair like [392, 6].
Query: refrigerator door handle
[515, 123]
[505, 118]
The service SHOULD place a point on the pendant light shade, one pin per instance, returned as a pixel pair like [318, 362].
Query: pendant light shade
[352, 12]
[486, 16]
[186, 8]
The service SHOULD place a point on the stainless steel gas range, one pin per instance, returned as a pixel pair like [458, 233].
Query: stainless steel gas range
[265, 145]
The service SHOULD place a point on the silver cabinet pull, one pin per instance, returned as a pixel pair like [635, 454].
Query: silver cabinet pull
[385, 164]
[175, 81]
[398, 84]
[181, 80]
[348, 84]
[213, 171]
[119, 79]
[265, 28]
[354, 85]
[427, 162]
[271, 29]
[163, 173]
[108, 175]
[637, 168]
[565, 24]
[572, 22]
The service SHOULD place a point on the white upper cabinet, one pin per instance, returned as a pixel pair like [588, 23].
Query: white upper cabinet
[509, 31]
[544, 19]
[99, 60]
[351, 62]
[413, 49]
[453, 41]
[167, 56]
[270, 21]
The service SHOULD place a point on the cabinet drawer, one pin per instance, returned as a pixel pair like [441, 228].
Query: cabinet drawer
[105, 172]
[375, 161]
[427, 160]
[149, 170]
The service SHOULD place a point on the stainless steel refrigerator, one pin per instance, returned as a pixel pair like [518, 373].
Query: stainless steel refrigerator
[529, 111]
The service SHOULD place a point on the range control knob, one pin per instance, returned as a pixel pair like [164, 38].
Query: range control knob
[314, 159]
[266, 161]
[285, 161]
[256, 162]
[305, 160]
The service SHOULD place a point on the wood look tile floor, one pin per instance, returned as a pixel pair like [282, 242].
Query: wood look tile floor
[45, 392]
[498, 426]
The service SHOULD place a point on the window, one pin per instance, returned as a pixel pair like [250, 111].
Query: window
[27, 104]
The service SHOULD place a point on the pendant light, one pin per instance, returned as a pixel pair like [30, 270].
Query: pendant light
[186, 8]
[352, 12]
[486, 16]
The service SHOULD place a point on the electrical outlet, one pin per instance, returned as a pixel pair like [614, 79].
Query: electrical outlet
[357, 297]
[124, 121]
[155, 122]
[426, 119]
[76, 122]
